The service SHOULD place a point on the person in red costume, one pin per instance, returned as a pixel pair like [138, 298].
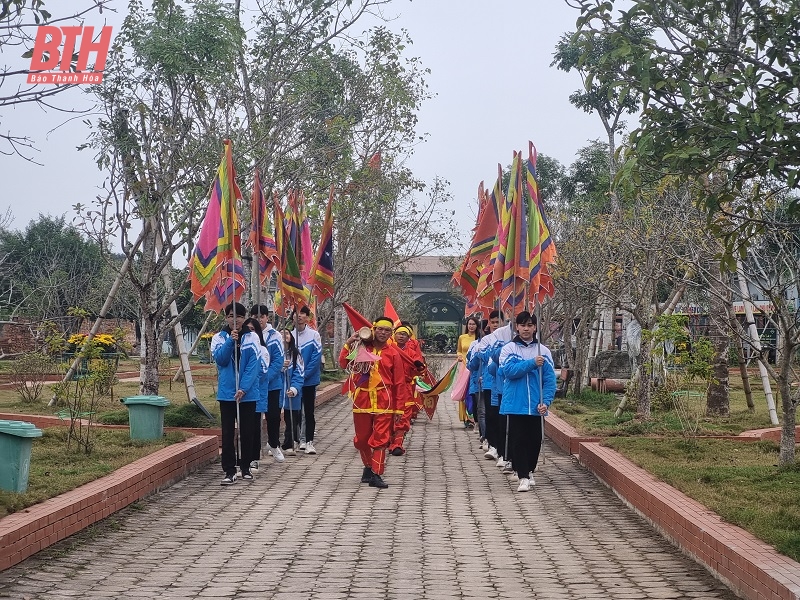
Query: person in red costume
[414, 366]
[377, 387]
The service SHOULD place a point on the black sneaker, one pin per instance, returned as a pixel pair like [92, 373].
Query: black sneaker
[247, 476]
[378, 482]
[229, 479]
[398, 452]
[366, 476]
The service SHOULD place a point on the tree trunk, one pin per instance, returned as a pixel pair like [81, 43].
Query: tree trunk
[755, 342]
[718, 392]
[581, 351]
[643, 398]
[788, 434]
[739, 348]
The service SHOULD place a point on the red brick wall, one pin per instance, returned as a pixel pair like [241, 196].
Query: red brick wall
[16, 337]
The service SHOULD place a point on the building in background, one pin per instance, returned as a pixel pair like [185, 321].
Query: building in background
[439, 313]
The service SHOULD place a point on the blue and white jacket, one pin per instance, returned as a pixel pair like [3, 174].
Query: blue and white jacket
[310, 346]
[293, 380]
[274, 341]
[223, 349]
[489, 350]
[521, 377]
[263, 380]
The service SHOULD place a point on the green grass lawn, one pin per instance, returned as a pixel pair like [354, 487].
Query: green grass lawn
[740, 481]
[56, 469]
[592, 413]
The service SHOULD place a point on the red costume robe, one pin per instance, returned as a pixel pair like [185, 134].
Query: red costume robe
[378, 391]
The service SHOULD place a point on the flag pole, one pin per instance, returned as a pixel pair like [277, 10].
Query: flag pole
[237, 342]
[541, 374]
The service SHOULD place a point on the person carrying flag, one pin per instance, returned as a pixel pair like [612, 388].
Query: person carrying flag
[414, 366]
[309, 344]
[529, 386]
[378, 390]
[234, 349]
[271, 391]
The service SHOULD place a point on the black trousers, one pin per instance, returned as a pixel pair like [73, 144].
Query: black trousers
[526, 442]
[247, 416]
[291, 427]
[273, 418]
[492, 417]
[309, 398]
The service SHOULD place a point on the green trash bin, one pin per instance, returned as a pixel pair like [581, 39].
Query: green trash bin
[16, 440]
[146, 416]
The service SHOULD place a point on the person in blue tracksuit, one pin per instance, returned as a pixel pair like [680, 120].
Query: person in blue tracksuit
[488, 351]
[274, 345]
[263, 386]
[291, 400]
[477, 363]
[230, 348]
[309, 344]
[524, 367]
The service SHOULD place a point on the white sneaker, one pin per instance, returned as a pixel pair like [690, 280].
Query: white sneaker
[289, 452]
[514, 476]
[302, 445]
[484, 445]
[491, 453]
[524, 485]
[269, 452]
[310, 448]
[254, 465]
[501, 462]
[277, 454]
[507, 467]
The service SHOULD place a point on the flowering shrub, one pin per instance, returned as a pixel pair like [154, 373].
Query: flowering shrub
[102, 342]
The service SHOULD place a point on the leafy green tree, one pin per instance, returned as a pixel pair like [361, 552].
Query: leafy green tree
[594, 55]
[168, 98]
[51, 268]
[720, 95]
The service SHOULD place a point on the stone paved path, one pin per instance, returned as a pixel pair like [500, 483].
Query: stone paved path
[449, 526]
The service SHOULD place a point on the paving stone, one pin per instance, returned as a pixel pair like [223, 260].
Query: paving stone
[450, 525]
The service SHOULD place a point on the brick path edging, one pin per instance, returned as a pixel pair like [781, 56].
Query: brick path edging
[750, 568]
[26, 532]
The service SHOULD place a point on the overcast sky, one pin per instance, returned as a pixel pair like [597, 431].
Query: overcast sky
[490, 71]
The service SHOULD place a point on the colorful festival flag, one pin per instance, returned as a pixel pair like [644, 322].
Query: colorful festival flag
[261, 239]
[215, 264]
[321, 280]
[541, 248]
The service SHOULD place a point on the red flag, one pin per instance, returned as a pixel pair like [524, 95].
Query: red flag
[389, 311]
[357, 320]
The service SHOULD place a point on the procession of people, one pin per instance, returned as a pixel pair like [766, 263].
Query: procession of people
[263, 373]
